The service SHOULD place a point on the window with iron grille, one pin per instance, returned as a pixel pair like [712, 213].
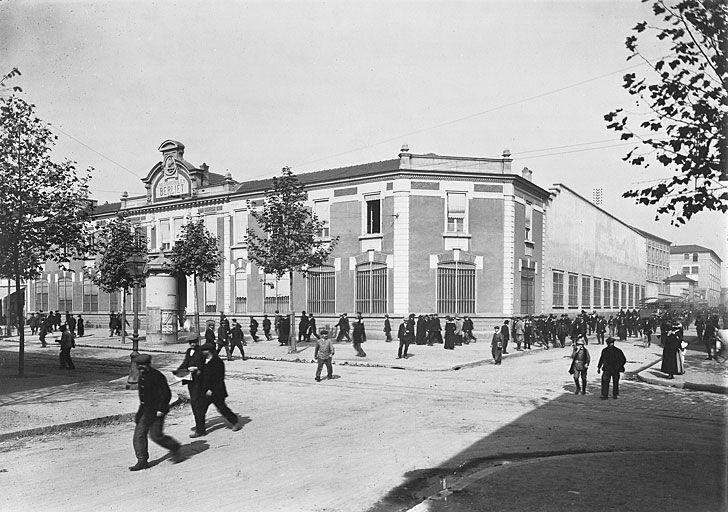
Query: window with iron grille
[90, 296]
[65, 294]
[277, 293]
[321, 283]
[615, 294]
[630, 295]
[241, 291]
[114, 301]
[558, 292]
[41, 295]
[607, 294]
[623, 300]
[456, 288]
[585, 292]
[210, 297]
[573, 291]
[597, 293]
[642, 293]
[371, 288]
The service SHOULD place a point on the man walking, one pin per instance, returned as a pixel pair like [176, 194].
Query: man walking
[237, 339]
[312, 329]
[505, 331]
[404, 339]
[323, 354]
[67, 344]
[580, 360]
[343, 325]
[359, 336]
[387, 329]
[266, 327]
[154, 396]
[612, 361]
[223, 336]
[253, 328]
[213, 391]
[496, 346]
[191, 368]
[303, 327]
[601, 328]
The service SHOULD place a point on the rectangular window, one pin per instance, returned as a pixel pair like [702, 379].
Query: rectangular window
[177, 225]
[165, 240]
[374, 216]
[630, 295]
[114, 301]
[686, 256]
[321, 290]
[240, 226]
[241, 291]
[529, 222]
[152, 246]
[558, 292]
[685, 270]
[623, 299]
[585, 292]
[41, 295]
[323, 213]
[573, 291]
[65, 294]
[210, 297]
[456, 204]
[210, 222]
[528, 290]
[642, 293]
[695, 256]
[607, 294]
[277, 293]
[371, 288]
[597, 293]
[456, 288]
[694, 270]
[90, 296]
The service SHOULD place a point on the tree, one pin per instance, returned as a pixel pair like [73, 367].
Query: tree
[196, 254]
[291, 242]
[684, 99]
[116, 242]
[44, 206]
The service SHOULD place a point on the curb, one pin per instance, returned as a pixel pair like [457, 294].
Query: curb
[692, 386]
[65, 427]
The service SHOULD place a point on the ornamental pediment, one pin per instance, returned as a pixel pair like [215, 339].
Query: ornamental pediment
[173, 177]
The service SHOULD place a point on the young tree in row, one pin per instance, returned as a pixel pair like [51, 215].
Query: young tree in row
[683, 124]
[291, 241]
[196, 254]
[115, 243]
[44, 206]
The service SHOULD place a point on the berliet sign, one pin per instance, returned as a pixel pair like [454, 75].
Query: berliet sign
[175, 186]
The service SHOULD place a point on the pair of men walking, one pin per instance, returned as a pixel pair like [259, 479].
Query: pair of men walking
[611, 364]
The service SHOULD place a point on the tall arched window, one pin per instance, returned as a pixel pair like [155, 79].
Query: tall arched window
[456, 287]
[65, 294]
[321, 290]
[210, 297]
[371, 288]
[41, 295]
[241, 291]
[90, 296]
[277, 293]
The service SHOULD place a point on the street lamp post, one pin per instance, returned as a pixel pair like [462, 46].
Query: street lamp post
[135, 266]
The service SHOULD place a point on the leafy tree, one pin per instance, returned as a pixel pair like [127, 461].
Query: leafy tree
[291, 242]
[115, 243]
[196, 254]
[44, 206]
[683, 124]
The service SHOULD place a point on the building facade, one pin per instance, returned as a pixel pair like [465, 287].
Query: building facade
[679, 285]
[699, 264]
[658, 264]
[594, 261]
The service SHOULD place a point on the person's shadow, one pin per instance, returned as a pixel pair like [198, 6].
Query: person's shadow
[218, 422]
[186, 451]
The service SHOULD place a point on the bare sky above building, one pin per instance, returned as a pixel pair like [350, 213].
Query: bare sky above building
[252, 86]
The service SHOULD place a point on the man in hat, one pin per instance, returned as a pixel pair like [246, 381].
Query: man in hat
[266, 327]
[496, 346]
[237, 339]
[154, 396]
[343, 325]
[387, 329]
[505, 331]
[323, 353]
[612, 361]
[212, 381]
[580, 360]
[67, 344]
[189, 370]
[404, 339]
[359, 335]
[223, 336]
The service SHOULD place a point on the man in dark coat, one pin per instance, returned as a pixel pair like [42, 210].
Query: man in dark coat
[601, 328]
[303, 327]
[190, 370]
[284, 330]
[436, 330]
[266, 327]
[496, 346]
[506, 335]
[387, 329]
[254, 328]
[237, 339]
[404, 339]
[312, 328]
[359, 336]
[344, 327]
[210, 333]
[212, 382]
[67, 344]
[420, 331]
[80, 326]
[612, 361]
[154, 396]
[223, 336]
[580, 360]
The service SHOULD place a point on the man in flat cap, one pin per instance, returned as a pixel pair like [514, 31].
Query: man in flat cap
[154, 396]
[612, 361]
[580, 360]
[323, 353]
[213, 391]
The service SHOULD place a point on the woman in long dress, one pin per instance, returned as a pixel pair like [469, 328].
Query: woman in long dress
[449, 334]
[671, 346]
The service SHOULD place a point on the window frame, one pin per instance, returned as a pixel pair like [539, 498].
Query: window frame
[375, 276]
[321, 290]
[457, 277]
[463, 216]
[557, 299]
[90, 305]
[44, 293]
[368, 227]
[573, 304]
[586, 292]
[68, 284]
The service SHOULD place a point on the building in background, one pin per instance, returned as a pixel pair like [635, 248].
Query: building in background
[702, 265]
[681, 286]
[593, 260]
[658, 264]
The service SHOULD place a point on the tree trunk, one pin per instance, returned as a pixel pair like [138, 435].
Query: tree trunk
[293, 348]
[123, 315]
[20, 299]
[197, 307]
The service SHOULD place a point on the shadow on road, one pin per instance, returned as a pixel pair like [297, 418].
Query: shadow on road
[187, 451]
[606, 452]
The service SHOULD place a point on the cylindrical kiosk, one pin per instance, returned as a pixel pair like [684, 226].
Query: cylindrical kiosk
[161, 302]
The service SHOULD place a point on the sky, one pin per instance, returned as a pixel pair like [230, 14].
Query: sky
[250, 87]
